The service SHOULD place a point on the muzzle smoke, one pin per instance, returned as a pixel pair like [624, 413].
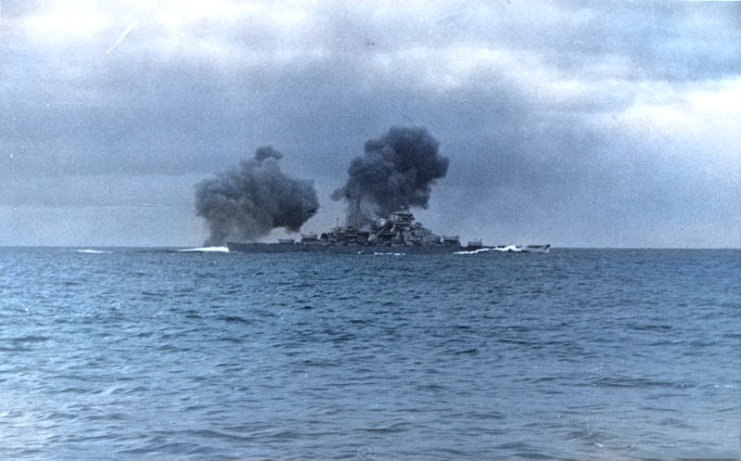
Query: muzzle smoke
[395, 171]
[248, 201]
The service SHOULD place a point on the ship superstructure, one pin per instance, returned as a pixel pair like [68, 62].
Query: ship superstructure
[398, 229]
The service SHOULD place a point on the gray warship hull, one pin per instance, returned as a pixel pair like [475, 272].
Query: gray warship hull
[392, 249]
[397, 234]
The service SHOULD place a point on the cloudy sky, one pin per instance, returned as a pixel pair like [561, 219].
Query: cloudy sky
[580, 124]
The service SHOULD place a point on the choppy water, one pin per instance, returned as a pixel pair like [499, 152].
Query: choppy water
[577, 354]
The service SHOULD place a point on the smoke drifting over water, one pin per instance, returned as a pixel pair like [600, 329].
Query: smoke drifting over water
[396, 171]
[247, 202]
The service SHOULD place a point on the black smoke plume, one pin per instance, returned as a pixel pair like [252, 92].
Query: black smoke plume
[248, 201]
[396, 171]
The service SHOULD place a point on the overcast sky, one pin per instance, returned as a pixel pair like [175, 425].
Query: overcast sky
[580, 124]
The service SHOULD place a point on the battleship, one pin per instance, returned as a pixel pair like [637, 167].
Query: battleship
[398, 233]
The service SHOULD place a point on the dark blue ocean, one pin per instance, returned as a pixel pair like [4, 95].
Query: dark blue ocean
[139, 354]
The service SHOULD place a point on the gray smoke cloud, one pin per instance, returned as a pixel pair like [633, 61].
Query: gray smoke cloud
[247, 202]
[395, 171]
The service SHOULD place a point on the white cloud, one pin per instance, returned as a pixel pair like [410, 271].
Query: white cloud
[218, 32]
[62, 27]
[224, 30]
[684, 113]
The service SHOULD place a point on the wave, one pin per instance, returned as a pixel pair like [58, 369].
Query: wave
[508, 249]
[504, 249]
[473, 252]
[205, 250]
[91, 251]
